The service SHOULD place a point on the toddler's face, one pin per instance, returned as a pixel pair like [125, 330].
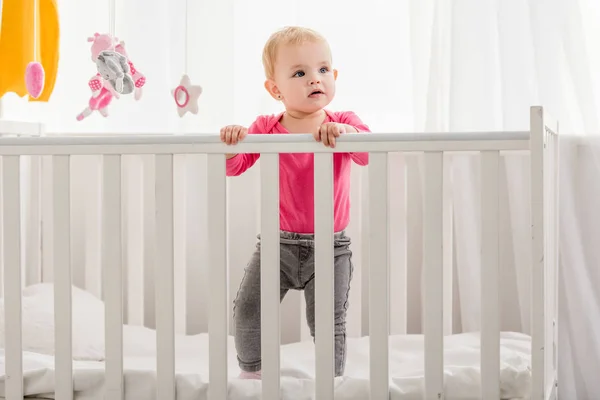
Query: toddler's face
[304, 77]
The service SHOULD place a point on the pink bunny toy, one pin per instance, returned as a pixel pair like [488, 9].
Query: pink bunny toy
[137, 76]
[102, 91]
[102, 95]
[101, 42]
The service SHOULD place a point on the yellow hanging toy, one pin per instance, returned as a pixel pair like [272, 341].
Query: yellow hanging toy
[32, 52]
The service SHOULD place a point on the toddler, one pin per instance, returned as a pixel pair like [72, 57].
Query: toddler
[298, 68]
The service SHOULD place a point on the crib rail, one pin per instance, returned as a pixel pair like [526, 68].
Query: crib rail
[540, 141]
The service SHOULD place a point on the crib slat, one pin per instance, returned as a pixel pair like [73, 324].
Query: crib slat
[61, 190]
[490, 301]
[165, 295]
[433, 275]
[112, 275]
[398, 240]
[217, 256]
[11, 212]
[379, 276]
[448, 243]
[324, 275]
[269, 269]
[33, 245]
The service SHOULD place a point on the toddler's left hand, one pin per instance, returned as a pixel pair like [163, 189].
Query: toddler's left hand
[328, 132]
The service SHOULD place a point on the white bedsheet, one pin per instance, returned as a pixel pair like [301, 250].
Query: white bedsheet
[297, 363]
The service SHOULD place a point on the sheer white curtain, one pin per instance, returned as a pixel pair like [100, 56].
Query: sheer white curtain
[408, 65]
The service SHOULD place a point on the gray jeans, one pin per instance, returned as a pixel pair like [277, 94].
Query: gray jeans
[297, 272]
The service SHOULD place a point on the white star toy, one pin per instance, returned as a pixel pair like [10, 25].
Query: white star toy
[186, 96]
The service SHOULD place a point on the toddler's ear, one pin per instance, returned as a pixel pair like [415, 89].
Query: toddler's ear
[272, 89]
[335, 74]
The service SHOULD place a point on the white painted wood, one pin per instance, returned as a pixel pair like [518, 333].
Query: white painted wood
[397, 186]
[379, 276]
[180, 198]
[217, 249]
[93, 224]
[538, 314]
[135, 240]
[197, 282]
[21, 128]
[48, 219]
[279, 143]
[354, 230]
[490, 276]
[433, 275]
[414, 242]
[112, 275]
[448, 245]
[365, 250]
[62, 278]
[556, 250]
[150, 239]
[33, 266]
[11, 226]
[165, 308]
[269, 274]
[324, 277]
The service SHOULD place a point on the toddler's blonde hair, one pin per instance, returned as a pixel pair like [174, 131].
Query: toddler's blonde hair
[293, 35]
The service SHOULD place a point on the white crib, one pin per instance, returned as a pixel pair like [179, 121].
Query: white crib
[37, 216]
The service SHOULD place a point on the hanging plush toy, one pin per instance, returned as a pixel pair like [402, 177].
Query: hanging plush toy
[138, 78]
[116, 74]
[113, 67]
[185, 94]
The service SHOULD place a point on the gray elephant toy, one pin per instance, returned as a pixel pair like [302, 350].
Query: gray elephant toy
[114, 68]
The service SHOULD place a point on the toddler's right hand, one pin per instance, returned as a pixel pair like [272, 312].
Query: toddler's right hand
[231, 134]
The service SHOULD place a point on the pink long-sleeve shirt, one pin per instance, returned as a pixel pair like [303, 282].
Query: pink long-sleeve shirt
[296, 175]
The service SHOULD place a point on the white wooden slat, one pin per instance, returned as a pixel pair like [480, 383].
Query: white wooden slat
[556, 247]
[11, 212]
[397, 187]
[433, 275]
[135, 239]
[33, 245]
[538, 312]
[365, 239]
[269, 274]
[112, 275]
[48, 218]
[149, 232]
[93, 225]
[165, 290]
[197, 282]
[181, 198]
[414, 241]
[218, 278]
[62, 277]
[379, 276]
[490, 276]
[448, 243]
[324, 276]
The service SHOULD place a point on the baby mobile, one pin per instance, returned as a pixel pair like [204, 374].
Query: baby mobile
[116, 74]
[34, 72]
[185, 94]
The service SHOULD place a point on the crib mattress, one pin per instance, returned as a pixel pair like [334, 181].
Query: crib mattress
[462, 372]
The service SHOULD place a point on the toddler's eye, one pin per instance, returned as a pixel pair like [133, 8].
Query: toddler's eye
[299, 74]
[324, 70]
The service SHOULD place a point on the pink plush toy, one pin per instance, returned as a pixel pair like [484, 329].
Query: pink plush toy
[102, 90]
[34, 79]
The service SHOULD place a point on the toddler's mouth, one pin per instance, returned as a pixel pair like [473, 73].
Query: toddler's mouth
[316, 93]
